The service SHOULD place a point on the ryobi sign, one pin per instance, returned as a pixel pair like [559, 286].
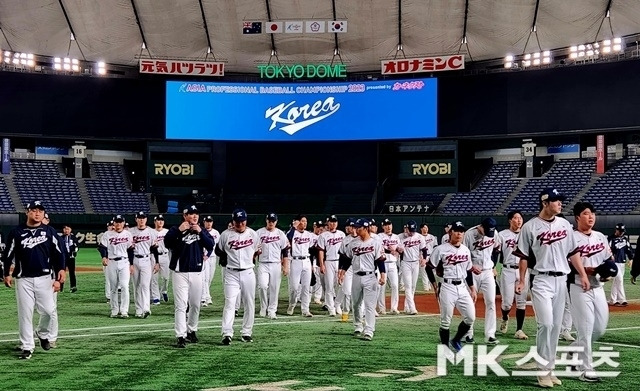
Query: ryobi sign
[195, 170]
[412, 169]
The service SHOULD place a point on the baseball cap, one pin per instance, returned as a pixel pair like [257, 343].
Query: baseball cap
[361, 223]
[46, 216]
[192, 210]
[606, 270]
[239, 215]
[118, 219]
[551, 194]
[318, 223]
[208, 218]
[620, 227]
[110, 223]
[489, 226]
[372, 221]
[141, 215]
[458, 226]
[272, 217]
[159, 217]
[332, 218]
[412, 226]
[350, 221]
[386, 222]
[35, 204]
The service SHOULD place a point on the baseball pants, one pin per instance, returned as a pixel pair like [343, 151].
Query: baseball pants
[187, 290]
[410, 271]
[343, 297]
[34, 293]
[107, 283]
[142, 271]
[299, 283]
[330, 284]
[592, 308]
[485, 284]
[119, 276]
[455, 296]
[160, 280]
[53, 325]
[364, 290]
[617, 285]
[567, 319]
[548, 294]
[508, 280]
[269, 279]
[392, 282]
[241, 283]
[317, 291]
[208, 272]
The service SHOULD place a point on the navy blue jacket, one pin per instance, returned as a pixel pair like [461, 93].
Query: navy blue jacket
[187, 249]
[36, 252]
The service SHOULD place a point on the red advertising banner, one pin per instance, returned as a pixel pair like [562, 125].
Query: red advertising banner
[423, 64]
[195, 68]
[600, 151]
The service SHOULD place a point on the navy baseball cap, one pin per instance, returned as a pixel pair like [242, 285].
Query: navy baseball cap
[361, 223]
[332, 219]
[386, 222]
[412, 225]
[159, 217]
[192, 210]
[46, 216]
[239, 215]
[551, 194]
[118, 219]
[141, 215]
[489, 226]
[208, 218]
[318, 223]
[272, 217]
[620, 227]
[607, 270]
[35, 204]
[372, 221]
[458, 226]
[349, 221]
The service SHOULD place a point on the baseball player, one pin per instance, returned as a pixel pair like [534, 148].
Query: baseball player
[445, 237]
[209, 265]
[431, 241]
[343, 297]
[364, 254]
[107, 283]
[414, 251]
[39, 269]
[301, 268]
[115, 247]
[621, 248]
[317, 280]
[510, 276]
[544, 245]
[71, 245]
[144, 244]
[187, 242]
[160, 280]
[238, 247]
[452, 261]
[329, 243]
[53, 325]
[481, 242]
[273, 261]
[390, 242]
[589, 306]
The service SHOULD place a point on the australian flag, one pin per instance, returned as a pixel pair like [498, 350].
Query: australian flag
[251, 27]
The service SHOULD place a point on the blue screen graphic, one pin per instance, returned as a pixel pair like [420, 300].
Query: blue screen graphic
[377, 110]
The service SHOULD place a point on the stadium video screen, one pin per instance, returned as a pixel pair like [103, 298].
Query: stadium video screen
[376, 110]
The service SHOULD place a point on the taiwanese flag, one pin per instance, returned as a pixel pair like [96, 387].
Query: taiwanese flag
[251, 27]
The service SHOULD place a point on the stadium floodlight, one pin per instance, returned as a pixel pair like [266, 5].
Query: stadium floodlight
[573, 52]
[102, 68]
[57, 63]
[546, 57]
[66, 64]
[75, 65]
[527, 60]
[508, 61]
[617, 44]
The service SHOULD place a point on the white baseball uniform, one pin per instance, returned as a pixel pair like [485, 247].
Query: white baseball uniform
[239, 278]
[363, 255]
[590, 308]
[546, 245]
[300, 271]
[343, 297]
[118, 273]
[509, 277]
[329, 243]
[143, 239]
[209, 270]
[272, 244]
[412, 245]
[430, 241]
[481, 248]
[160, 280]
[389, 244]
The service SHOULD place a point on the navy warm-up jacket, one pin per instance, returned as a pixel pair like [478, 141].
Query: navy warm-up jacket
[36, 251]
[187, 249]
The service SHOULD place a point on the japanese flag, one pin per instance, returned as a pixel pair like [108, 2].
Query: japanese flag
[338, 26]
[274, 28]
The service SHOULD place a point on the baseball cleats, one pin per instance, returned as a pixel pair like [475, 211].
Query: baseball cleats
[156, 302]
[182, 343]
[272, 316]
[566, 335]
[226, 340]
[123, 315]
[290, 309]
[308, 315]
[73, 289]
[44, 343]
[492, 341]
[191, 337]
[504, 326]
[53, 344]
[554, 379]
[263, 313]
[247, 338]
[624, 304]
[114, 315]
[589, 379]
[367, 337]
[165, 297]
[520, 335]
[395, 312]
[456, 346]
[469, 340]
[545, 381]
[236, 313]
[357, 333]
[332, 313]
[25, 355]
[317, 301]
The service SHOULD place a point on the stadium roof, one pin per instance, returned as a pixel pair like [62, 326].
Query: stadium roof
[113, 30]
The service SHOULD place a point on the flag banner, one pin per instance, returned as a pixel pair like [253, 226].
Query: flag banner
[195, 68]
[338, 26]
[315, 26]
[293, 27]
[251, 27]
[423, 64]
[274, 28]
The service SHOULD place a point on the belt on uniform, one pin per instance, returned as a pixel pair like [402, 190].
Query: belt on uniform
[141, 256]
[552, 274]
[117, 259]
[363, 273]
[330, 260]
[238, 270]
[304, 257]
[454, 282]
[511, 266]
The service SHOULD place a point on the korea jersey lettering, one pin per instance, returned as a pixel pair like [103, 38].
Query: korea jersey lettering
[272, 243]
[594, 250]
[162, 249]
[116, 243]
[547, 244]
[454, 261]
[240, 247]
[36, 252]
[143, 240]
[330, 243]
[412, 245]
[508, 243]
[481, 248]
[364, 254]
[390, 242]
[345, 243]
[187, 249]
[301, 243]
